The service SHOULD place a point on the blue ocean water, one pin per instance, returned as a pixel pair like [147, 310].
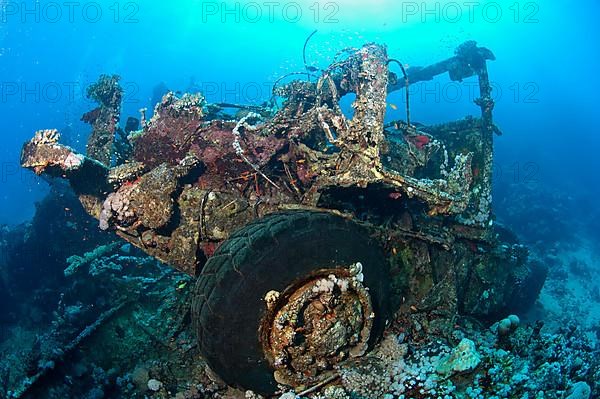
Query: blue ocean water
[545, 73]
[545, 181]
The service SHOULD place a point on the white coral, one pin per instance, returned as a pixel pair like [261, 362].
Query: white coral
[463, 358]
[74, 161]
[47, 136]
[154, 385]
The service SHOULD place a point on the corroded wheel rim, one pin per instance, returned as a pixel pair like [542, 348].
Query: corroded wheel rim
[316, 323]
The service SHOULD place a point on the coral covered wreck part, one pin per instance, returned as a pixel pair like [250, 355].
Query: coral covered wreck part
[192, 180]
[316, 325]
[262, 168]
[105, 119]
[187, 184]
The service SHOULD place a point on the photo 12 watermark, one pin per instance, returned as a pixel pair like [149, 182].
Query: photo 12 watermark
[255, 92]
[456, 92]
[52, 12]
[526, 12]
[519, 172]
[421, 92]
[326, 12]
[53, 92]
[236, 92]
[11, 172]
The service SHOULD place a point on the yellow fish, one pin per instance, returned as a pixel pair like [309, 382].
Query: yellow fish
[393, 106]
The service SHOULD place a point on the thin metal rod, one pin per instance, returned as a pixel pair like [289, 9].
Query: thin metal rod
[407, 84]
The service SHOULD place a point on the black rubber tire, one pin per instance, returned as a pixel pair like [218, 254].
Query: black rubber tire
[270, 254]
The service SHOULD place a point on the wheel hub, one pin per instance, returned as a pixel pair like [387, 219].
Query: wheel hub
[316, 323]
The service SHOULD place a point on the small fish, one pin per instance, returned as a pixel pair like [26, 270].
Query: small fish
[393, 106]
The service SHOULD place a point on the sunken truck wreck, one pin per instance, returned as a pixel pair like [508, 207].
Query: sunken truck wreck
[307, 230]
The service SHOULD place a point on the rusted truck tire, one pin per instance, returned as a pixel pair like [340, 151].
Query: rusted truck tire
[263, 273]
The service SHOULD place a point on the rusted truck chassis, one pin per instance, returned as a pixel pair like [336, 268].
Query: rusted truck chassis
[307, 229]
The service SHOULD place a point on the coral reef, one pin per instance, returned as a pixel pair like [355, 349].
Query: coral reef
[75, 262]
[464, 358]
[531, 364]
[123, 321]
[110, 298]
